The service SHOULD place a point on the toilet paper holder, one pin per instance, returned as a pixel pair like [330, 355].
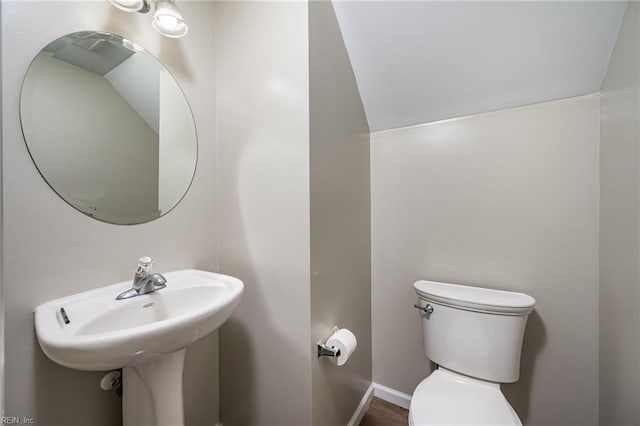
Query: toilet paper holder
[326, 350]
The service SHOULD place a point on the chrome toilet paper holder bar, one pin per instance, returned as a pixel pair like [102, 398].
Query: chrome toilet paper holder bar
[325, 350]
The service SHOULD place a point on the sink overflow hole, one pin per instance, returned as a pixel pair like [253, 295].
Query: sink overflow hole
[148, 305]
[65, 317]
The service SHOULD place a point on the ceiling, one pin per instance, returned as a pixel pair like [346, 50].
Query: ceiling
[422, 61]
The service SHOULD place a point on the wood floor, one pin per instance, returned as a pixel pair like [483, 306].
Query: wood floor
[383, 413]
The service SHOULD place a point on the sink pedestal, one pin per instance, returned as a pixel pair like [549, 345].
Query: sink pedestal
[152, 391]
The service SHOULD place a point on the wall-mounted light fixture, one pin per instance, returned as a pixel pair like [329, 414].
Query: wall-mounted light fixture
[167, 19]
[141, 6]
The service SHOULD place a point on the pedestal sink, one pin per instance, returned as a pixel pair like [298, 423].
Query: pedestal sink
[146, 336]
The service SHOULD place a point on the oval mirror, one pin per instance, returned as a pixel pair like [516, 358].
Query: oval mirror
[108, 127]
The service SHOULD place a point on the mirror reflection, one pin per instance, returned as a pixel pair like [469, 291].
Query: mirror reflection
[108, 127]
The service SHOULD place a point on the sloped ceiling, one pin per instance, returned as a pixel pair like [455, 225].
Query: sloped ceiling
[422, 61]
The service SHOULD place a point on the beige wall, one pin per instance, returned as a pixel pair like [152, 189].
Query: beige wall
[508, 200]
[51, 250]
[340, 219]
[262, 81]
[293, 169]
[1, 240]
[619, 229]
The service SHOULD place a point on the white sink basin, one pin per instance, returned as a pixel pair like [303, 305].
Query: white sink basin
[104, 333]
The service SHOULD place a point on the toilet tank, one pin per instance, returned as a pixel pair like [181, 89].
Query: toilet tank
[474, 331]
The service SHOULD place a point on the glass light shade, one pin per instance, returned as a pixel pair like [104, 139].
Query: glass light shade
[129, 5]
[168, 21]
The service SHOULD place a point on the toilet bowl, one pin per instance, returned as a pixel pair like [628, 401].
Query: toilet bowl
[446, 397]
[474, 336]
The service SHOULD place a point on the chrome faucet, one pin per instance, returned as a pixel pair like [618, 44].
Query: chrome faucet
[144, 282]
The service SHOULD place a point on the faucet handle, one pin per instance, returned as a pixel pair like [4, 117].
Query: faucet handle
[145, 266]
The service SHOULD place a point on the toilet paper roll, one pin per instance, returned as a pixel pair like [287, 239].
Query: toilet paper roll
[344, 340]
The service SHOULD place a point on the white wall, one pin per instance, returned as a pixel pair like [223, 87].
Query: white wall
[51, 250]
[508, 200]
[422, 61]
[340, 219]
[619, 229]
[262, 82]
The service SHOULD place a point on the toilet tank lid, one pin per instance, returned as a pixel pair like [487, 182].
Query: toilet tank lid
[475, 298]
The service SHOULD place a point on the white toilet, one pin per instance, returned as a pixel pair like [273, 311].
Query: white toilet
[474, 335]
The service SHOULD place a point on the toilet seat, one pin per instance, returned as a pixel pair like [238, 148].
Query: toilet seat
[448, 398]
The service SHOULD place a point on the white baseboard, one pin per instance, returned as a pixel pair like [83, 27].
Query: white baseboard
[391, 395]
[362, 407]
[380, 391]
